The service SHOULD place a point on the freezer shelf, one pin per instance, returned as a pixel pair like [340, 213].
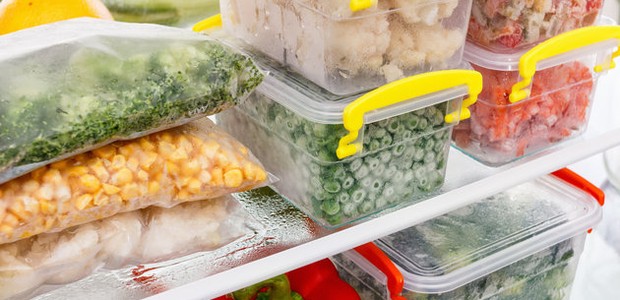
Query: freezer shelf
[466, 182]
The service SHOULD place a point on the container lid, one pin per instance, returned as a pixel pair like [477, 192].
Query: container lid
[318, 105]
[355, 9]
[447, 252]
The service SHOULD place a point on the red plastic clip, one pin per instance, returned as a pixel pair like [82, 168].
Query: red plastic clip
[581, 183]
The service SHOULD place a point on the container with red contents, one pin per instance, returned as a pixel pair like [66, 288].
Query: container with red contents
[533, 100]
[505, 26]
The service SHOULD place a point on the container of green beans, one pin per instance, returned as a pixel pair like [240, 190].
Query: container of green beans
[340, 159]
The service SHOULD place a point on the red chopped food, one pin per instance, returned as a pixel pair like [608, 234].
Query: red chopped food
[510, 24]
[499, 131]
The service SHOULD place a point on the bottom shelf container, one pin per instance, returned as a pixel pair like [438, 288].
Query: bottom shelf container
[523, 243]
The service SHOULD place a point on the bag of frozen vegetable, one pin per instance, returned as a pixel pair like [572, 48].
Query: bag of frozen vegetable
[191, 162]
[166, 12]
[144, 236]
[72, 86]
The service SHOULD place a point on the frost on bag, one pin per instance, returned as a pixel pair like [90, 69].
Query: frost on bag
[139, 237]
[192, 162]
[69, 87]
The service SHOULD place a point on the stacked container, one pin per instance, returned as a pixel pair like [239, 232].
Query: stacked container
[534, 99]
[342, 154]
[523, 243]
[342, 158]
[349, 47]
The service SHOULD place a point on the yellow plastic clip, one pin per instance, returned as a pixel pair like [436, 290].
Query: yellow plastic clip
[405, 90]
[208, 23]
[560, 44]
[357, 5]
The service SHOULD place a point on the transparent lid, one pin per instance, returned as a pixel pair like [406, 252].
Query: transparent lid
[510, 61]
[449, 251]
[355, 9]
[318, 105]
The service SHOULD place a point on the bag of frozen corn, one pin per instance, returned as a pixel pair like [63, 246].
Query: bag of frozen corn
[192, 162]
[216, 227]
[76, 85]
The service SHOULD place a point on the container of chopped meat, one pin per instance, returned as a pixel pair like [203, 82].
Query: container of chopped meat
[521, 244]
[506, 26]
[352, 46]
[342, 158]
[536, 99]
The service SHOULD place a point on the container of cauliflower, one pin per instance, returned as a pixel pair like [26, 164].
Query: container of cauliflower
[349, 47]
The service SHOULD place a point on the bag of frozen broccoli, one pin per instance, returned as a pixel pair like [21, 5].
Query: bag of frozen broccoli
[73, 86]
[192, 162]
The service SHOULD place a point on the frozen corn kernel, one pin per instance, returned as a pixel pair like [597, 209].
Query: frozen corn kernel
[38, 173]
[122, 177]
[233, 178]
[6, 230]
[166, 149]
[147, 159]
[48, 207]
[143, 176]
[190, 168]
[127, 150]
[63, 164]
[18, 210]
[205, 177]
[179, 154]
[98, 168]
[154, 187]
[166, 137]
[101, 198]
[118, 162]
[130, 191]
[30, 187]
[194, 186]
[133, 164]
[217, 176]
[106, 152]
[45, 193]
[52, 176]
[110, 189]
[209, 149]
[11, 220]
[90, 183]
[83, 201]
[146, 144]
[77, 171]
[173, 169]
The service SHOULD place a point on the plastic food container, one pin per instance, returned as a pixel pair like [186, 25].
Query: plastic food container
[533, 100]
[339, 159]
[350, 47]
[510, 25]
[523, 243]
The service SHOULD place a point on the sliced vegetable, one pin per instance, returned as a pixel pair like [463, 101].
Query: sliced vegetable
[302, 154]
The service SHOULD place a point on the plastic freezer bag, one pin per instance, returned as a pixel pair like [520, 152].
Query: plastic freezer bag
[139, 237]
[71, 86]
[192, 162]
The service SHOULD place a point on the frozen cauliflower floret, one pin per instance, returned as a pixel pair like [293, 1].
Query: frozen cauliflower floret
[171, 231]
[417, 45]
[121, 234]
[418, 11]
[358, 46]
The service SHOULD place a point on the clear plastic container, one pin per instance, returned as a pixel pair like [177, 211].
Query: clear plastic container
[512, 25]
[351, 47]
[523, 243]
[339, 159]
[533, 100]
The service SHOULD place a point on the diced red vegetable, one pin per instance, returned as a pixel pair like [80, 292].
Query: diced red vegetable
[556, 109]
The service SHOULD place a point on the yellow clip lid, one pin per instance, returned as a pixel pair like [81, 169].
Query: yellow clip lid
[562, 44]
[358, 5]
[405, 90]
[208, 23]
